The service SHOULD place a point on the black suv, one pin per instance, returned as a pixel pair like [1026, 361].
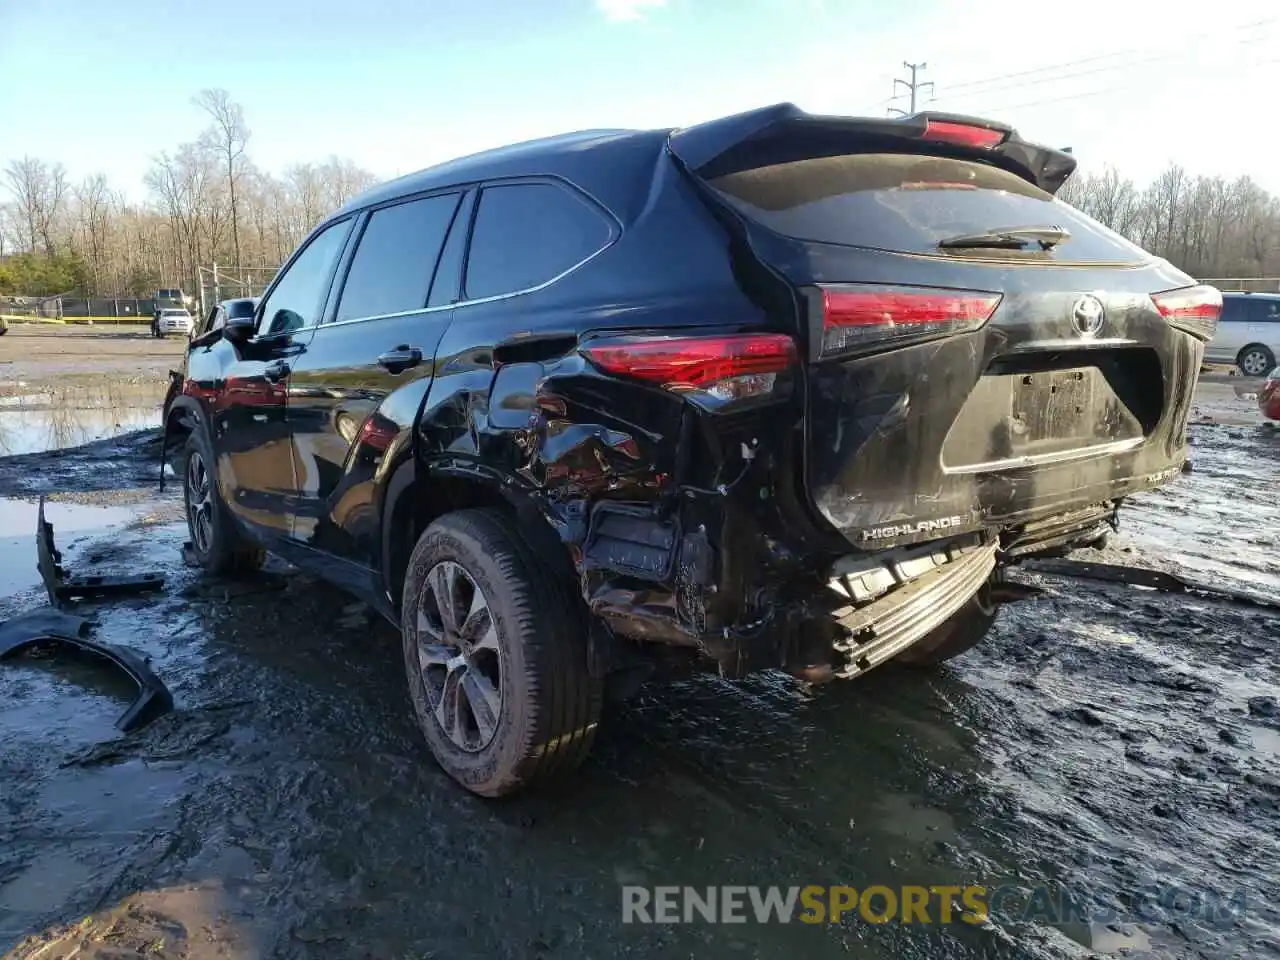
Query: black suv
[775, 391]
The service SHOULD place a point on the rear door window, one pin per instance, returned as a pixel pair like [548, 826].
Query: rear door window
[526, 234]
[1234, 309]
[909, 203]
[396, 257]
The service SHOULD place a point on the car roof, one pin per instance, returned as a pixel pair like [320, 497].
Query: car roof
[1251, 295]
[564, 156]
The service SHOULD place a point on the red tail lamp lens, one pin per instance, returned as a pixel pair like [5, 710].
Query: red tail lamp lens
[872, 316]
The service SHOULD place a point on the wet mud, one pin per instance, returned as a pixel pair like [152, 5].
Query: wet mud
[1104, 741]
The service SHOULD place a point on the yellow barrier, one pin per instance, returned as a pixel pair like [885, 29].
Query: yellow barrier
[110, 321]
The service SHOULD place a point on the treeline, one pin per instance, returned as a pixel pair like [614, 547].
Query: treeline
[205, 201]
[1208, 226]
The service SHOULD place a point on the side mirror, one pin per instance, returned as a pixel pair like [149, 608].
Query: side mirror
[239, 329]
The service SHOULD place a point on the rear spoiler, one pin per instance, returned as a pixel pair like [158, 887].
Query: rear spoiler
[783, 133]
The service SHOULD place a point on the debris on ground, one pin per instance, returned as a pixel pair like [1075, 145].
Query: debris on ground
[62, 586]
[41, 628]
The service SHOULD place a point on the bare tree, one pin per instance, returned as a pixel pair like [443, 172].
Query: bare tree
[310, 193]
[8, 228]
[230, 137]
[38, 189]
[342, 180]
[184, 185]
[93, 197]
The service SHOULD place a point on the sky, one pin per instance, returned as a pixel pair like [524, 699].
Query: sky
[397, 85]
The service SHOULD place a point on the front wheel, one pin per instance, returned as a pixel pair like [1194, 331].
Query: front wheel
[496, 655]
[215, 542]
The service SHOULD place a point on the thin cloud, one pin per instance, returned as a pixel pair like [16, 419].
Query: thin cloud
[621, 11]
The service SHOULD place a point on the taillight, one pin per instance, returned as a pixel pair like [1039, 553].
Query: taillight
[713, 371]
[1194, 310]
[962, 134]
[856, 318]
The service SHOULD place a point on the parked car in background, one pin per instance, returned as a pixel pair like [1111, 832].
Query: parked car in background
[1248, 333]
[4, 326]
[172, 320]
[1269, 396]
[774, 391]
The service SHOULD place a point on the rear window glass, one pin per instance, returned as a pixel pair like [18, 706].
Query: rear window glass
[909, 203]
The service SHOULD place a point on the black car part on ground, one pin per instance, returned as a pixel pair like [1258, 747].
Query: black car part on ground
[1141, 577]
[62, 586]
[53, 627]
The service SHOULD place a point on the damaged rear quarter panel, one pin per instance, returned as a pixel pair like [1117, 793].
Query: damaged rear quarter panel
[515, 406]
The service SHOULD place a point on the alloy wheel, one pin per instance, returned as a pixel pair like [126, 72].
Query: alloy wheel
[459, 656]
[1254, 363]
[199, 503]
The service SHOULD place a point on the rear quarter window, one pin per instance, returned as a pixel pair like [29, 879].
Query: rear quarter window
[526, 234]
[909, 203]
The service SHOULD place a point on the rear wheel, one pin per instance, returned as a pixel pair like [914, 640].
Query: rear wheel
[215, 542]
[496, 655]
[965, 630]
[1256, 361]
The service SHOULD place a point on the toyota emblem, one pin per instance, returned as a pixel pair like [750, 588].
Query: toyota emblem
[1087, 315]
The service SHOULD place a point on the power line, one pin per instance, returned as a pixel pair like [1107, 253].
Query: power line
[964, 85]
[1086, 73]
[913, 86]
[1095, 93]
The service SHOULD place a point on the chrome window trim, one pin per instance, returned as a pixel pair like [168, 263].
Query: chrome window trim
[615, 233]
[466, 303]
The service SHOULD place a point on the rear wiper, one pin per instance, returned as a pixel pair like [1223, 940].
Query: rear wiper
[1010, 238]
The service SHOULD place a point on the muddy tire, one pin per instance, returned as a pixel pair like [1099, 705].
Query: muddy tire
[495, 651]
[1256, 360]
[216, 543]
[967, 628]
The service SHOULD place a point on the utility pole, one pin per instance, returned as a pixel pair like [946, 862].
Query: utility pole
[914, 86]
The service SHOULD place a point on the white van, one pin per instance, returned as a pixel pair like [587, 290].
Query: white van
[1248, 333]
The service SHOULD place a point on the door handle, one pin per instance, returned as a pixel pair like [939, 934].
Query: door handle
[275, 372]
[400, 359]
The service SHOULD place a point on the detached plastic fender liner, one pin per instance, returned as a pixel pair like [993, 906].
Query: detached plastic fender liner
[39, 627]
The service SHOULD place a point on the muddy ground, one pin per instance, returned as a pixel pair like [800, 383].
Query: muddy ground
[1106, 742]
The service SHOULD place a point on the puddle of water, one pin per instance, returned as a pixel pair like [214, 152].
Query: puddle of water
[75, 411]
[18, 569]
[32, 430]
